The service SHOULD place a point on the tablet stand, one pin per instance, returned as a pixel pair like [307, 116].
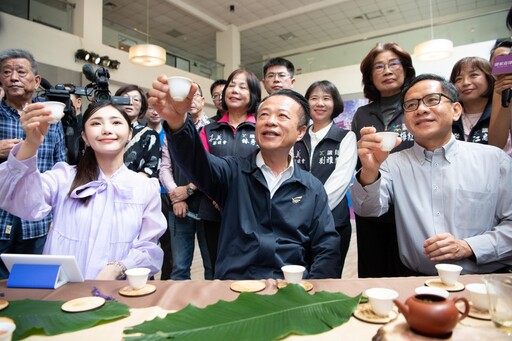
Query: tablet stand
[40, 276]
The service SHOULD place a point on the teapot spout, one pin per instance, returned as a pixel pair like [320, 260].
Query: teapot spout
[404, 309]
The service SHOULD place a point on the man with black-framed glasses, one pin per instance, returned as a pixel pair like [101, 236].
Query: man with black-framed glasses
[452, 199]
[278, 74]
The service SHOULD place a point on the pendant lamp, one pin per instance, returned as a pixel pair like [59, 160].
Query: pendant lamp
[434, 49]
[147, 54]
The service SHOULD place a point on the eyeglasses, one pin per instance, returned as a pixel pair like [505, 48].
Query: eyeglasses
[280, 75]
[430, 100]
[198, 95]
[134, 99]
[393, 64]
[215, 96]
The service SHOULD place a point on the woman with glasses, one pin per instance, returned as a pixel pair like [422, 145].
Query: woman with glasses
[233, 134]
[142, 152]
[330, 154]
[386, 69]
[472, 76]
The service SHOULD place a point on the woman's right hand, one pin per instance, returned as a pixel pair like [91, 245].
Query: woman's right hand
[35, 121]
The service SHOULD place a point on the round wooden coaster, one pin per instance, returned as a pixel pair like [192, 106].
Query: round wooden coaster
[83, 304]
[365, 313]
[436, 282]
[473, 312]
[247, 286]
[3, 304]
[305, 284]
[145, 290]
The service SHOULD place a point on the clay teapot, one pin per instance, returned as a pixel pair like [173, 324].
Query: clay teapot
[432, 315]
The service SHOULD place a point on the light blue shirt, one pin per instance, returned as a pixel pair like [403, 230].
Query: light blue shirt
[462, 188]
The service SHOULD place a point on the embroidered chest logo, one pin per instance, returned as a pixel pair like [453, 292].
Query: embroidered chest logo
[296, 200]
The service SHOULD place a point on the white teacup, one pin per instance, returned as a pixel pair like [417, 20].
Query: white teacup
[388, 140]
[293, 273]
[381, 300]
[137, 277]
[448, 273]
[478, 294]
[179, 87]
[57, 109]
[7, 328]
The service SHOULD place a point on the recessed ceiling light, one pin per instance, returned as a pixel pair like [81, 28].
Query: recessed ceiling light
[287, 36]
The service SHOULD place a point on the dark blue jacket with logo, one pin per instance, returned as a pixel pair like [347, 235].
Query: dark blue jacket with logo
[260, 234]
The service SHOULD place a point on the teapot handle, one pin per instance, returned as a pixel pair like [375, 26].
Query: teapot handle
[466, 303]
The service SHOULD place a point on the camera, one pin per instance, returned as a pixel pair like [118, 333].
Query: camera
[97, 91]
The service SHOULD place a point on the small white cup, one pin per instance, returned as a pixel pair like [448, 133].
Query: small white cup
[431, 291]
[381, 300]
[478, 295]
[449, 273]
[7, 327]
[388, 140]
[293, 273]
[57, 109]
[179, 87]
[137, 277]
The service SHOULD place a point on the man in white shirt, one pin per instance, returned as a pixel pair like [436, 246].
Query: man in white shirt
[453, 199]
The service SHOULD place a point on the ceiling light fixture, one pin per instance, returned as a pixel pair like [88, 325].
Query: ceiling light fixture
[147, 54]
[434, 49]
[105, 61]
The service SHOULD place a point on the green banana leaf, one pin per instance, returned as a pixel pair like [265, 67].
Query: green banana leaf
[34, 317]
[253, 317]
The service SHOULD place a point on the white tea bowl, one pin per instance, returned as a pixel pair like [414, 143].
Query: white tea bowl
[179, 87]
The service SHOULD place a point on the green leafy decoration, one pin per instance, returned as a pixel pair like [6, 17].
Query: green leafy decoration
[253, 316]
[34, 317]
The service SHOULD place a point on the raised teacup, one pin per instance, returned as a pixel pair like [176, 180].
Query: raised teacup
[388, 140]
[57, 109]
[179, 87]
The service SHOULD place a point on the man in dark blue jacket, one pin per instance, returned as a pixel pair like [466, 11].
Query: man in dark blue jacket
[273, 213]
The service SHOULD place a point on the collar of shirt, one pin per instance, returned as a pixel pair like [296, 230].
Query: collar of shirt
[274, 181]
[448, 151]
[318, 136]
[250, 118]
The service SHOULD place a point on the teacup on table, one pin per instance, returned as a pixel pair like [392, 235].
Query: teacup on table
[137, 277]
[179, 87]
[449, 273]
[293, 273]
[478, 295]
[381, 300]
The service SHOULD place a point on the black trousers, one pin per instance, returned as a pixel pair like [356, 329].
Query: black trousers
[165, 240]
[377, 247]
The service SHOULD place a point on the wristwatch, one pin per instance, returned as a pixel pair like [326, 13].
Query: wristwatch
[190, 190]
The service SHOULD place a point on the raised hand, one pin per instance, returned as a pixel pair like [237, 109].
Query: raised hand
[370, 154]
[35, 121]
[173, 112]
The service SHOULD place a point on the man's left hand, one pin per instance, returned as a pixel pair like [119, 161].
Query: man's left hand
[444, 246]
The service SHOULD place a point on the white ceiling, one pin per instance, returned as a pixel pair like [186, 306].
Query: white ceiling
[313, 23]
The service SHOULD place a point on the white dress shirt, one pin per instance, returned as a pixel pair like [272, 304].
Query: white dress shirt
[461, 188]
